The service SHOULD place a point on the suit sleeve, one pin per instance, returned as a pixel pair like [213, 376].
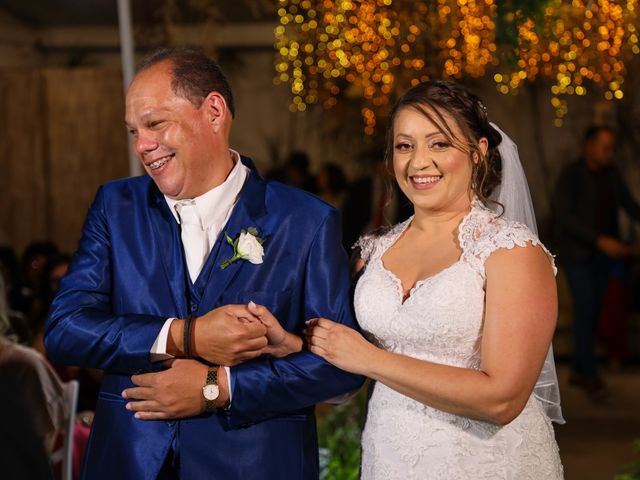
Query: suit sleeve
[268, 386]
[82, 328]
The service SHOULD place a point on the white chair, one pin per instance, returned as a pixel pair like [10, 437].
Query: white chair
[65, 453]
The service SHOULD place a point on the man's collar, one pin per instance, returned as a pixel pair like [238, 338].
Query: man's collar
[219, 198]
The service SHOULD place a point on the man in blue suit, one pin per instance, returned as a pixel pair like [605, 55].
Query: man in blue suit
[199, 382]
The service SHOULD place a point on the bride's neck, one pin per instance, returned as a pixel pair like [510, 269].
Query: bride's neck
[427, 220]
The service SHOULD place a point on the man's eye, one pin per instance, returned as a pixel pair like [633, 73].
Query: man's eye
[156, 123]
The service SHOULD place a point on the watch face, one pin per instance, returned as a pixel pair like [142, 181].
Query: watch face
[210, 391]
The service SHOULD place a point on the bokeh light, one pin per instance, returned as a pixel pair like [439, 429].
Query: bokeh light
[328, 50]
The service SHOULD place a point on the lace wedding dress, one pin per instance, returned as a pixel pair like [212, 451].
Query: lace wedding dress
[441, 321]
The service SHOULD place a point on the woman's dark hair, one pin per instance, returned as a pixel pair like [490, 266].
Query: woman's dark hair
[435, 99]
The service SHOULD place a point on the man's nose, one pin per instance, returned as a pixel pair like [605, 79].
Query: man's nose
[144, 143]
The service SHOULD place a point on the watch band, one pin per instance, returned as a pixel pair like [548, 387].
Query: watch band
[212, 378]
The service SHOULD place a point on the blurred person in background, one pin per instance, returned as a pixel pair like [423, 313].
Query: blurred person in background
[332, 185]
[10, 269]
[89, 379]
[32, 407]
[34, 259]
[588, 197]
[52, 272]
[10, 272]
[295, 172]
[373, 201]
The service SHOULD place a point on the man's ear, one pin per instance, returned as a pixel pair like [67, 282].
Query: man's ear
[215, 109]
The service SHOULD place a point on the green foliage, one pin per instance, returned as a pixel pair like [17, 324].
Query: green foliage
[509, 16]
[633, 468]
[339, 431]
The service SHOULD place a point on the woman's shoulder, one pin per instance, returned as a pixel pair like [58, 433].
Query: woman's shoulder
[19, 354]
[485, 232]
[29, 361]
[378, 240]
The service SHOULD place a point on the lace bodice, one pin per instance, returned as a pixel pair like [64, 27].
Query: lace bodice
[441, 321]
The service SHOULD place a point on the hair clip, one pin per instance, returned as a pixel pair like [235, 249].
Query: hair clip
[483, 108]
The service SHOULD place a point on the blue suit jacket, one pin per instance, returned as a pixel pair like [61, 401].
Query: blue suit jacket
[128, 276]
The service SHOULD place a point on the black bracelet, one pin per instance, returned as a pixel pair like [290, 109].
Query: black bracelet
[186, 339]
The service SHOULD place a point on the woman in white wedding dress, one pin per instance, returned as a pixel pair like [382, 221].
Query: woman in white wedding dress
[458, 306]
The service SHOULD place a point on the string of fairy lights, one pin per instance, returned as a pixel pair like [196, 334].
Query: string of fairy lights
[328, 50]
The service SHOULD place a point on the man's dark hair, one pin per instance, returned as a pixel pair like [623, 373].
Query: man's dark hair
[594, 130]
[195, 75]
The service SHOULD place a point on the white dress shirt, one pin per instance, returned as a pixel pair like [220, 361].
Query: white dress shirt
[214, 208]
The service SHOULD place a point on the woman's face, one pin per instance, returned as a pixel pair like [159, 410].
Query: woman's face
[431, 172]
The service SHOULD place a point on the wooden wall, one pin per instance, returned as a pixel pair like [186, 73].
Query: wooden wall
[62, 136]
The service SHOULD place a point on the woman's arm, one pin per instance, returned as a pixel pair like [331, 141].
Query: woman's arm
[521, 310]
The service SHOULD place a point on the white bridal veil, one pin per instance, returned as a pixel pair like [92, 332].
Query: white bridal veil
[513, 194]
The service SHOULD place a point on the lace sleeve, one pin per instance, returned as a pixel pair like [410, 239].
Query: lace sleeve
[364, 247]
[500, 233]
[376, 241]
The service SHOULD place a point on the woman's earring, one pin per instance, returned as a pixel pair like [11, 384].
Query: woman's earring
[474, 176]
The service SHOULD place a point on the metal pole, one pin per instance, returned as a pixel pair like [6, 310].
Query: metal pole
[126, 53]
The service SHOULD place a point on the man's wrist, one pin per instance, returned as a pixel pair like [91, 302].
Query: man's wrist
[187, 336]
[223, 399]
[175, 345]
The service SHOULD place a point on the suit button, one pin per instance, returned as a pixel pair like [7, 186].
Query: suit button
[194, 308]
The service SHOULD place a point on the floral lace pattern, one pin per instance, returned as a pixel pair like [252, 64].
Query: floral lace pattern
[441, 321]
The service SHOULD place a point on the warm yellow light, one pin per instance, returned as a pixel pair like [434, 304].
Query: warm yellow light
[379, 47]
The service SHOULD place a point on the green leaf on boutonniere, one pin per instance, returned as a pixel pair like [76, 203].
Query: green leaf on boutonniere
[247, 246]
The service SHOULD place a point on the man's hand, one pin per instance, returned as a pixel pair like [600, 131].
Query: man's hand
[228, 336]
[173, 393]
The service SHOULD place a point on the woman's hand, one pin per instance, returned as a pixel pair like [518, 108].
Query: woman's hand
[281, 342]
[340, 345]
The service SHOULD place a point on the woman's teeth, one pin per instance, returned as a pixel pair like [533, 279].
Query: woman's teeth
[425, 180]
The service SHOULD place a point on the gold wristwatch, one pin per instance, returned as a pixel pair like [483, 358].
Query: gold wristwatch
[211, 391]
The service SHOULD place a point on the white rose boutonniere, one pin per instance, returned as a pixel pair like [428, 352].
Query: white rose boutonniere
[247, 246]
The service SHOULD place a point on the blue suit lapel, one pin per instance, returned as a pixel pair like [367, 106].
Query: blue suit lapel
[248, 212]
[167, 236]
